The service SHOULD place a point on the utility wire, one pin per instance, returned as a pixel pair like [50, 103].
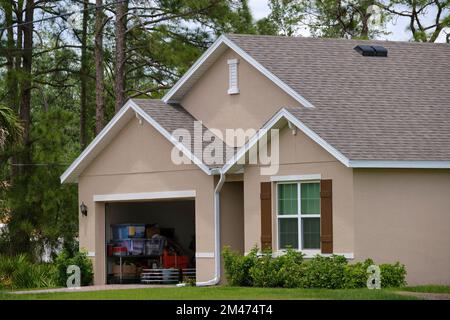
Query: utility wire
[64, 14]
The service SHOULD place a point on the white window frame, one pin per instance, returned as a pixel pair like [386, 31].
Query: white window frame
[298, 216]
[233, 76]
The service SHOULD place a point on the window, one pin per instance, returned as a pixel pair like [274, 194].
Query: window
[233, 87]
[298, 214]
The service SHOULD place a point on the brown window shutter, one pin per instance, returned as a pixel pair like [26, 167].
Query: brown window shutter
[266, 215]
[326, 216]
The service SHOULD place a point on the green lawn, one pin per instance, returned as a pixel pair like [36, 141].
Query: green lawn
[226, 293]
[429, 289]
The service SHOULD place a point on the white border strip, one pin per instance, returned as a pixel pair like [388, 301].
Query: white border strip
[304, 177]
[399, 164]
[66, 176]
[283, 113]
[204, 255]
[170, 137]
[224, 40]
[144, 196]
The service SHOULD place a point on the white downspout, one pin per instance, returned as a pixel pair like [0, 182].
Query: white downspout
[216, 278]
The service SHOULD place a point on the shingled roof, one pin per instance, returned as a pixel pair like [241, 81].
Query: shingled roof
[369, 108]
[172, 117]
[389, 111]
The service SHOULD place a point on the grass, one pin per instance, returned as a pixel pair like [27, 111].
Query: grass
[428, 289]
[214, 293]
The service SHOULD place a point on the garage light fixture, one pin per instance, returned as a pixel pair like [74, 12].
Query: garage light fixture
[83, 209]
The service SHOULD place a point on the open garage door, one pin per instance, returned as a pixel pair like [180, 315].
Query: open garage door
[150, 242]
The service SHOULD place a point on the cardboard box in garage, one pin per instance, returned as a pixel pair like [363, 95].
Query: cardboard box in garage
[127, 270]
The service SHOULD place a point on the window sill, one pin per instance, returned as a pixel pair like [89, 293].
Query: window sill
[309, 254]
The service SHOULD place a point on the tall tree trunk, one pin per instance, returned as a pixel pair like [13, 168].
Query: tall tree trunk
[84, 80]
[11, 74]
[99, 77]
[121, 18]
[27, 56]
[17, 67]
[20, 237]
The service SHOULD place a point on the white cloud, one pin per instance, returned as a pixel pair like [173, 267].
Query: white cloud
[260, 8]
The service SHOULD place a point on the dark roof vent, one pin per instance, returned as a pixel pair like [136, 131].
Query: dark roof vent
[371, 51]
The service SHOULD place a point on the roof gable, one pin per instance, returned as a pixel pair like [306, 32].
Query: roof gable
[128, 111]
[183, 85]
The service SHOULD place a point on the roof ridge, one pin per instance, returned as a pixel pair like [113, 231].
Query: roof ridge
[333, 39]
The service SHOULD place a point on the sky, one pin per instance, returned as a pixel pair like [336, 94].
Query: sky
[398, 29]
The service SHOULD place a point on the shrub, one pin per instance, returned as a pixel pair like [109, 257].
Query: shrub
[79, 259]
[355, 275]
[237, 266]
[267, 271]
[292, 271]
[18, 272]
[393, 275]
[324, 272]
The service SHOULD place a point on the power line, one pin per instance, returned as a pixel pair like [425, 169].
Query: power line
[64, 14]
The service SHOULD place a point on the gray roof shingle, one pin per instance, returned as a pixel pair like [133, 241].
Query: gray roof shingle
[172, 117]
[369, 108]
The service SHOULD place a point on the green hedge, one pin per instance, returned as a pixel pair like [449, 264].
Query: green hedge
[290, 270]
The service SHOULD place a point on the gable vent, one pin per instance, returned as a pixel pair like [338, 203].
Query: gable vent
[233, 86]
[371, 51]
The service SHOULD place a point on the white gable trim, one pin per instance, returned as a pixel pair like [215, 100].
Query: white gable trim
[283, 113]
[387, 164]
[80, 163]
[218, 43]
[171, 138]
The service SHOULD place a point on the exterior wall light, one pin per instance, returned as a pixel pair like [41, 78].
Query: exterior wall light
[83, 209]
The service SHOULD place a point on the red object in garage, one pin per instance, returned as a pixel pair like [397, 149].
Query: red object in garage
[175, 261]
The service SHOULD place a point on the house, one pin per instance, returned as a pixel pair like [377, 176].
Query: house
[360, 159]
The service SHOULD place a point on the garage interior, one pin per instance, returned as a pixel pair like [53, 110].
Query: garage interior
[150, 242]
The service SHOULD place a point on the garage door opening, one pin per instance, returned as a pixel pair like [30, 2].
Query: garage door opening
[150, 242]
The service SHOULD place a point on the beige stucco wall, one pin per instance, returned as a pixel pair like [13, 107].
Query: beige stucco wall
[299, 155]
[231, 218]
[258, 99]
[404, 215]
[138, 160]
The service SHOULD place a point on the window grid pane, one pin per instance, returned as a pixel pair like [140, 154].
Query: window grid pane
[310, 198]
[288, 233]
[311, 233]
[287, 199]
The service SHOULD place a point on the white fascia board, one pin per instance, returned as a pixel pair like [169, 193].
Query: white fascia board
[171, 138]
[224, 40]
[183, 194]
[400, 164]
[168, 96]
[294, 94]
[67, 175]
[283, 113]
[316, 138]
